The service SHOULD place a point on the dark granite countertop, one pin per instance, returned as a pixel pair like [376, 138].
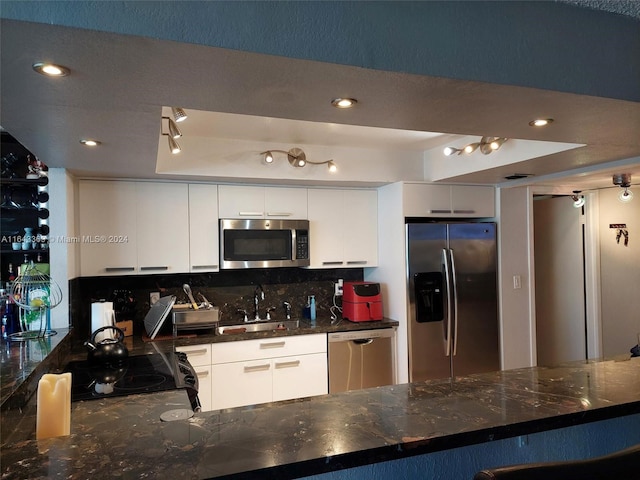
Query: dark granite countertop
[23, 363]
[326, 433]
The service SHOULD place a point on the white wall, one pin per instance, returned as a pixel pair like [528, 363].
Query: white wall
[517, 306]
[619, 273]
[63, 257]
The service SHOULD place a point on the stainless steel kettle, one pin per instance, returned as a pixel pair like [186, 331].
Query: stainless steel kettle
[109, 350]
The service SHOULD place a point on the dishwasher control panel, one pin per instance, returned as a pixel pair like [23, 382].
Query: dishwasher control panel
[360, 334]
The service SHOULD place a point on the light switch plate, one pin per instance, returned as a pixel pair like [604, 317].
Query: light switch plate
[154, 297]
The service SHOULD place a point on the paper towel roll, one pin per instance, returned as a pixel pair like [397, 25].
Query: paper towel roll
[102, 315]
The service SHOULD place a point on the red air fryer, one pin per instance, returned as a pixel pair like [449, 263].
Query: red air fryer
[361, 301]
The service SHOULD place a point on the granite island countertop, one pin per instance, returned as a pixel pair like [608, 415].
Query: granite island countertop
[320, 434]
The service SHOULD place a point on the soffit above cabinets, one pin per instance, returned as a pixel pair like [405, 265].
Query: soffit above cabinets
[249, 102]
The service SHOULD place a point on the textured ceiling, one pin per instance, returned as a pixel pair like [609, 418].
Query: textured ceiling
[630, 8]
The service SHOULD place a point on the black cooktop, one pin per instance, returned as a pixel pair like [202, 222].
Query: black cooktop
[138, 374]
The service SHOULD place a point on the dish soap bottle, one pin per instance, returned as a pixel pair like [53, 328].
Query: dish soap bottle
[312, 310]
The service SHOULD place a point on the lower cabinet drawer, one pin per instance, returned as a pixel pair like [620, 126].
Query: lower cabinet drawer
[268, 348]
[197, 354]
[241, 383]
[301, 376]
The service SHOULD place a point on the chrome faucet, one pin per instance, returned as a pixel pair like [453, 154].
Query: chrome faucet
[287, 310]
[258, 294]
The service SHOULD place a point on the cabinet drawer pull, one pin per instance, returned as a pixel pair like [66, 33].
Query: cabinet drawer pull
[202, 374]
[251, 214]
[464, 211]
[439, 211]
[332, 263]
[201, 351]
[279, 214]
[257, 368]
[272, 345]
[204, 266]
[163, 267]
[119, 269]
[294, 363]
[356, 262]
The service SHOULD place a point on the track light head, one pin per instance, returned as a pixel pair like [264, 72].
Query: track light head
[626, 195]
[179, 115]
[174, 131]
[173, 145]
[332, 167]
[268, 157]
[578, 200]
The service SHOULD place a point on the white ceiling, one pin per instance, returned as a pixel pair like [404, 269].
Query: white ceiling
[119, 85]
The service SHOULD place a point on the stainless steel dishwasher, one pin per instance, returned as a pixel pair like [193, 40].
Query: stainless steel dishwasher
[361, 359]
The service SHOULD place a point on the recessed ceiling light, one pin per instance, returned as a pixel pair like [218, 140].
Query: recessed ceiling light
[89, 142]
[51, 69]
[541, 122]
[343, 102]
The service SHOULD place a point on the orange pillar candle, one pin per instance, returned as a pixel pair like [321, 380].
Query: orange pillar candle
[53, 409]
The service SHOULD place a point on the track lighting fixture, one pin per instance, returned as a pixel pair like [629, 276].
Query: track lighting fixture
[179, 115]
[623, 180]
[174, 132]
[578, 200]
[486, 145]
[297, 158]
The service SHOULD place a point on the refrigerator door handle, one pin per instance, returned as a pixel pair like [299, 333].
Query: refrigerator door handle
[454, 284]
[447, 281]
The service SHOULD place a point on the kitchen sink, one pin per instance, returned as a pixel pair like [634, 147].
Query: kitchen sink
[259, 327]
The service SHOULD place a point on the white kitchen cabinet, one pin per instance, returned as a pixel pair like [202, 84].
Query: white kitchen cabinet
[262, 202]
[107, 221]
[204, 251]
[248, 372]
[343, 228]
[129, 228]
[162, 211]
[428, 200]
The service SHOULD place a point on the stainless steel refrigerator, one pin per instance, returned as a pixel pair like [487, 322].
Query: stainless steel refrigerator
[453, 307]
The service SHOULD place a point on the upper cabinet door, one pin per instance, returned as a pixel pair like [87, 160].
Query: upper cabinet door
[425, 200]
[285, 203]
[361, 228]
[107, 227]
[240, 202]
[326, 228]
[204, 251]
[163, 227]
[474, 201]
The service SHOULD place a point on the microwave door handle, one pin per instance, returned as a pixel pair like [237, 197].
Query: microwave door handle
[294, 237]
[445, 264]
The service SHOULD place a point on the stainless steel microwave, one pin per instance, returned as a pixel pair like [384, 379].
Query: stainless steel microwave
[264, 243]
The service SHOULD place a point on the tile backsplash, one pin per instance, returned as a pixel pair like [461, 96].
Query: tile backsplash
[229, 290]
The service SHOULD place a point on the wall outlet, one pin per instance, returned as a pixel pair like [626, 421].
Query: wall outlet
[154, 297]
[337, 288]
